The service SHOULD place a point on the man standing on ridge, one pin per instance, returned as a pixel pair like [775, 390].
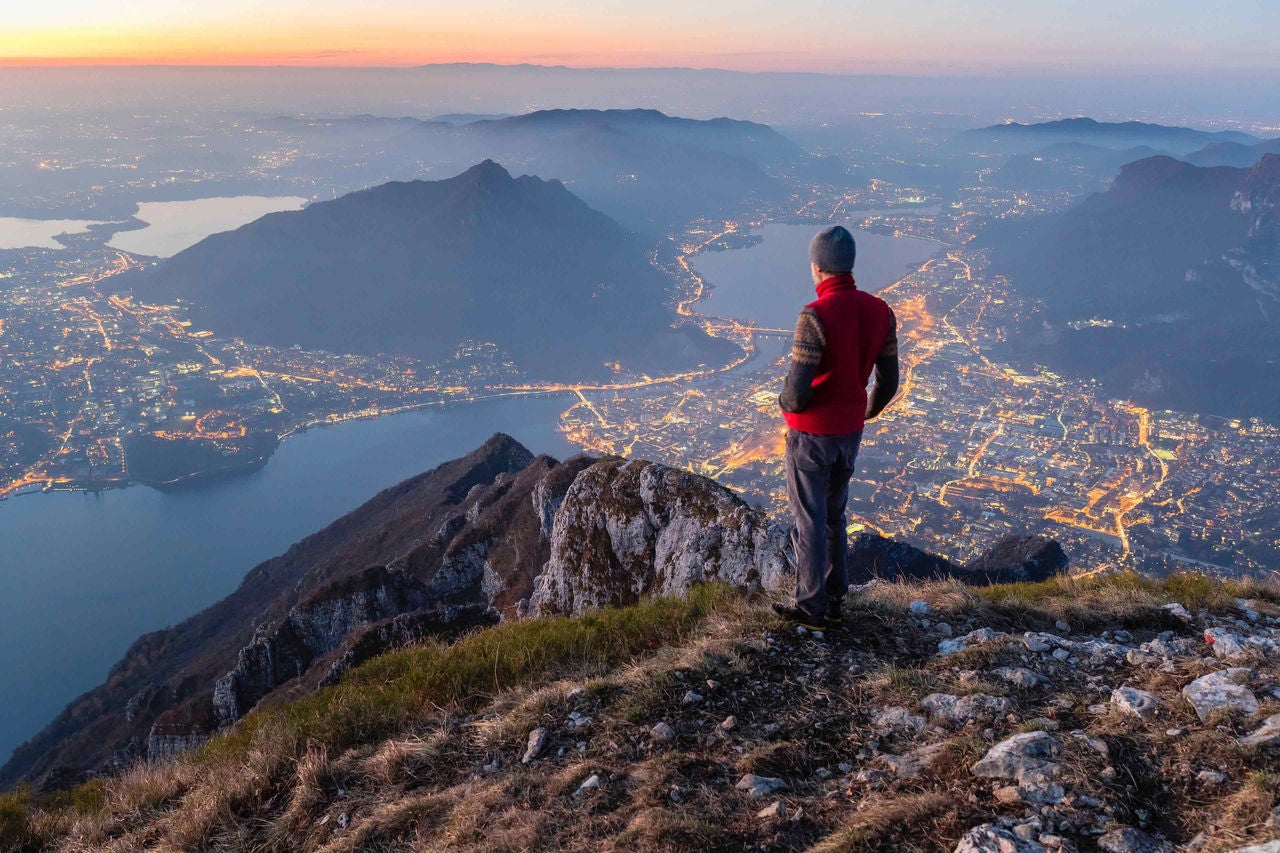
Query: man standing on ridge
[840, 337]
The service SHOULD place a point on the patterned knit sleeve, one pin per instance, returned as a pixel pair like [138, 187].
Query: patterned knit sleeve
[806, 353]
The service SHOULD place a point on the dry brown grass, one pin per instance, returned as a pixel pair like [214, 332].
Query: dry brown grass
[401, 760]
[1126, 598]
[897, 685]
[515, 714]
[405, 820]
[884, 817]
[1242, 817]
[661, 829]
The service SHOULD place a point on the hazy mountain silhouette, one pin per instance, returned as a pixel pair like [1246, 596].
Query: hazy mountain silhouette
[1166, 287]
[1232, 153]
[1069, 165]
[1014, 136]
[648, 170]
[419, 267]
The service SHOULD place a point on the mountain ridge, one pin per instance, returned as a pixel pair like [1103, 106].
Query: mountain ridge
[421, 267]
[1125, 134]
[1174, 265]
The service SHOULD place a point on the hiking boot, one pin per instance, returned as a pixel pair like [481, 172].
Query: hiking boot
[799, 617]
[834, 617]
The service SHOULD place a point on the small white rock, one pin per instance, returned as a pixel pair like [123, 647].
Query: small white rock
[592, 782]
[662, 732]
[760, 786]
[1221, 691]
[771, 812]
[1139, 703]
[1268, 734]
[1020, 676]
[691, 698]
[536, 743]
[989, 837]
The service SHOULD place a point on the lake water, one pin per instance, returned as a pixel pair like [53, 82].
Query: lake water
[768, 283]
[18, 233]
[175, 225]
[85, 574]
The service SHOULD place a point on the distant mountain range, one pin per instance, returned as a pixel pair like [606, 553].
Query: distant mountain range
[418, 268]
[1013, 136]
[1166, 287]
[1232, 153]
[1084, 166]
[646, 169]
[1076, 166]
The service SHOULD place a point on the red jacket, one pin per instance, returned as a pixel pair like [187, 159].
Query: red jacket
[853, 329]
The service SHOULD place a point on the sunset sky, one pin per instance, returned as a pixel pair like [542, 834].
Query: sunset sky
[906, 36]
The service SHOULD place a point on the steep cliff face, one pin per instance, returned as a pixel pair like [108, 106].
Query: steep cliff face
[1258, 260]
[311, 630]
[494, 545]
[168, 741]
[632, 528]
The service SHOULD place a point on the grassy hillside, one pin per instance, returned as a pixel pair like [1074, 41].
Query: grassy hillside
[654, 716]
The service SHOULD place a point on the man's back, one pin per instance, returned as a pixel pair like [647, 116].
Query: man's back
[840, 337]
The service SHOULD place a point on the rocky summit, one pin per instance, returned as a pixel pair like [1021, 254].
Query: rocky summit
[581, 655]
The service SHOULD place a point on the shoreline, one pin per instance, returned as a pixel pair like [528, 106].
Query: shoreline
[197, 479]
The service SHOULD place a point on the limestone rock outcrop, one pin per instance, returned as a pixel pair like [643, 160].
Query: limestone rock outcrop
[629, 528]
[312, 629]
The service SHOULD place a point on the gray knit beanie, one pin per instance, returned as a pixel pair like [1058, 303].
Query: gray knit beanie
[833, 249]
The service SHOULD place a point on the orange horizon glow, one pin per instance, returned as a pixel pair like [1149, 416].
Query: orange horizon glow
[808, 36]
[380, 43]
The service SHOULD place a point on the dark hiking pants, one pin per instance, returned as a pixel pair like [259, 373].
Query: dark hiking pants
[818, 472]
